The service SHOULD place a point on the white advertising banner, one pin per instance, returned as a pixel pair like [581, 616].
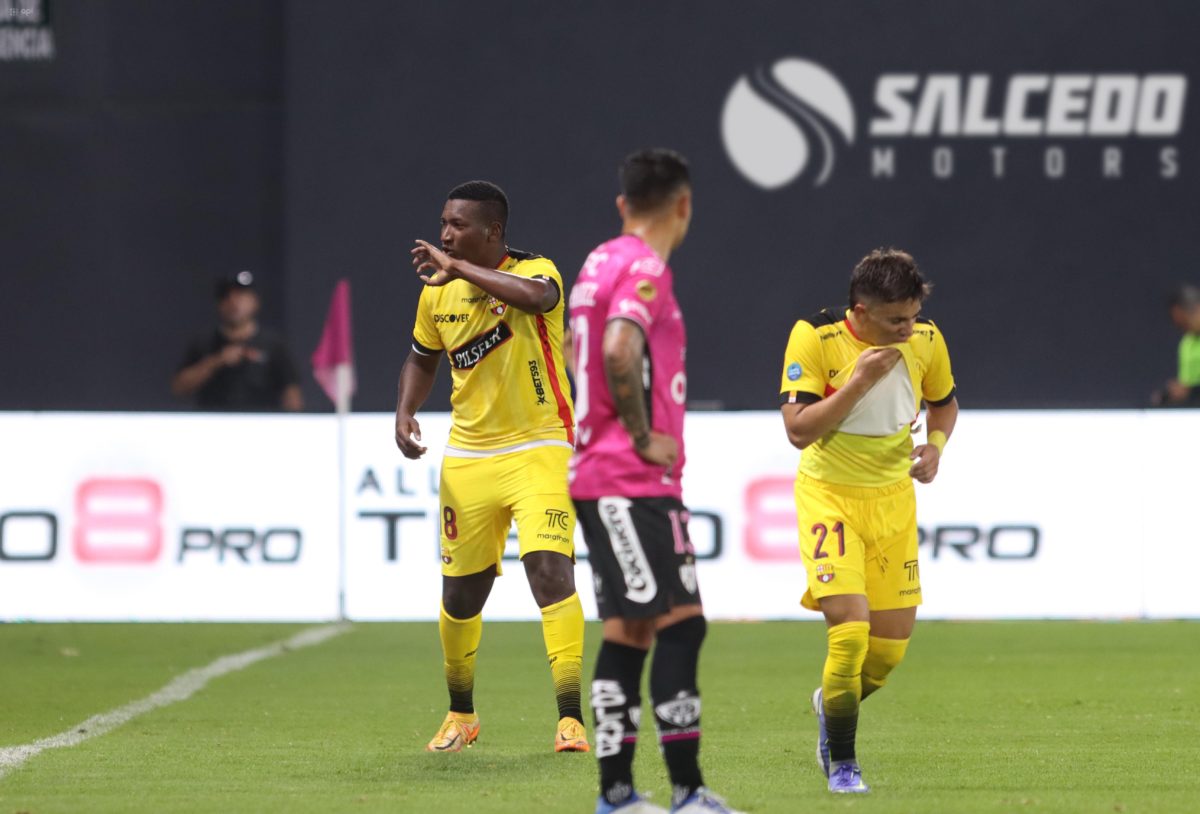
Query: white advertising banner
[1030, 517]
[173, 517]
[168, 517]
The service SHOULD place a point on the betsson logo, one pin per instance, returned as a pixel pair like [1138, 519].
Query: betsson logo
[765, 117]
[777, 122]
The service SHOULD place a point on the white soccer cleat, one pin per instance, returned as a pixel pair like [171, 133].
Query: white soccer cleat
[637, 804]
[703, 801]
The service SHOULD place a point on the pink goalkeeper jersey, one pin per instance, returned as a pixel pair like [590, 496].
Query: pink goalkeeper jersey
[625, 279]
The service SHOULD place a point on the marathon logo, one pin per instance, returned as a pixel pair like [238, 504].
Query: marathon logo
[468, 355]
[535, 374]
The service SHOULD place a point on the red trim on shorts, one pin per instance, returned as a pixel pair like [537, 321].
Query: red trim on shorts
[564, 412]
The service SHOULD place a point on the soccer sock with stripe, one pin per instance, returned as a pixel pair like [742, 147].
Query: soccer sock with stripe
[677, 703]
[841, 686]
[882, 657]
[617, 704]
[460, 640]
[562, 630]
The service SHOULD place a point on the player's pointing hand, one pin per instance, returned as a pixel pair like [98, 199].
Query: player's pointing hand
[429, 258]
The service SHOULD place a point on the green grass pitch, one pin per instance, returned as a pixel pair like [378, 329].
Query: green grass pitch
[982, 717]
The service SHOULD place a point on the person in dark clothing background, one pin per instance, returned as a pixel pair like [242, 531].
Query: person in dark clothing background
[238, 366]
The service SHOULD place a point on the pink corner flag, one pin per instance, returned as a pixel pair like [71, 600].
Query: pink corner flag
[333, 360]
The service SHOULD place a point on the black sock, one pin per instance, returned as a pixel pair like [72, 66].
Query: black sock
[841, 730]
[677, 703]
[617, 704]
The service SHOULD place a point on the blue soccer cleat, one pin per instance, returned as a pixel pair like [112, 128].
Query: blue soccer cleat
[637, 804]
[846, 778]
[822, 737]
[703, 801]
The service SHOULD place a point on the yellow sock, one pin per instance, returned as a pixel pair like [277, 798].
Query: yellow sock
[562, 629]
[460, 640]
[882, 657]
[841, 686]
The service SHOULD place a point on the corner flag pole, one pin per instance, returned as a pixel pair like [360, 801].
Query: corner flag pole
[333, 368]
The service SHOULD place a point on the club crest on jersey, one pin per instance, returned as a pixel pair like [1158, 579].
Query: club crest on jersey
[496, 307]
[825, 572]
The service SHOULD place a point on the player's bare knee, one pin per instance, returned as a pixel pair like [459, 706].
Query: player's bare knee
[843, 608]
[637, 633]
[551, 576]
[464, 597]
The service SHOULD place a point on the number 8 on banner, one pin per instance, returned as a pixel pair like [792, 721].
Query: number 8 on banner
[118, 520]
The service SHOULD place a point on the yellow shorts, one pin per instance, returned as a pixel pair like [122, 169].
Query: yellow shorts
[859, 540]
[480, 497]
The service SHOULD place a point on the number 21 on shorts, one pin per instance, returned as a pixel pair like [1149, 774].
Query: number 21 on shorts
[822, 533]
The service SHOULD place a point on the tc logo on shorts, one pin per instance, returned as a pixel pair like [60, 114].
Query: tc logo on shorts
[556, 519]
[794, 371]
[913, 568]
[825, 572]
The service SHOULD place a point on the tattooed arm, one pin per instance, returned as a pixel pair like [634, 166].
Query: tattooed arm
[624, 349]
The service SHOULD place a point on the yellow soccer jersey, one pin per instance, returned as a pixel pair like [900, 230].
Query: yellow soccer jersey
[509, 383]
[872, 444]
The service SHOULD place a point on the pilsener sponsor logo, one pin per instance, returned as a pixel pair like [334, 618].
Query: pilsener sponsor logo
[469, 354]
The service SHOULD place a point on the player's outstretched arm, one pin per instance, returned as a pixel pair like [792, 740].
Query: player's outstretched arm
[940, 421]
[806, 423]
[534, 295]
[416, 380]
[624, 348]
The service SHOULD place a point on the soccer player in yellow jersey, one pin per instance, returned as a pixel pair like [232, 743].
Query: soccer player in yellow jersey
[497, 315]
[852, 388]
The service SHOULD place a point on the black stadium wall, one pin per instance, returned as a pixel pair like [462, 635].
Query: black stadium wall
[1037, 158]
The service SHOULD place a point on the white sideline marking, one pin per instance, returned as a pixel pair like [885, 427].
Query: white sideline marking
[178, 689]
